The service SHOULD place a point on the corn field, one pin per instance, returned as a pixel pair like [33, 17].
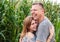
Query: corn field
[12, 14]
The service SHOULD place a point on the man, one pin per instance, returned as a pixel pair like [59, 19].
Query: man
[45, 26]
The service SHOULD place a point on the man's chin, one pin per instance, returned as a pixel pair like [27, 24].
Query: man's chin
[35, 18]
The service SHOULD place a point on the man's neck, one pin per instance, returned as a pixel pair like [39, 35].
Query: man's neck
[41, 19]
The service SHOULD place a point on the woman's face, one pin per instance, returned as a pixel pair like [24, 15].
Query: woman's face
[33, 26]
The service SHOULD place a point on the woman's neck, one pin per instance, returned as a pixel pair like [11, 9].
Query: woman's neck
[30, 34]
[31, 31]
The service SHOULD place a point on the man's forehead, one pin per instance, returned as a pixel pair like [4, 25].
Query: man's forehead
[35, 6]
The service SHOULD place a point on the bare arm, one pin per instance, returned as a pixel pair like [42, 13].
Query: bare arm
[51, 34]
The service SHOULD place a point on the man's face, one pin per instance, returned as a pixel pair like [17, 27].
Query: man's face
[37, 11]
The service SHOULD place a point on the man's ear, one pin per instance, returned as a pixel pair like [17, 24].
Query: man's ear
[43, 11]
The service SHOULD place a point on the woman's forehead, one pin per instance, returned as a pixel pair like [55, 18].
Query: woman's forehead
[34, 21]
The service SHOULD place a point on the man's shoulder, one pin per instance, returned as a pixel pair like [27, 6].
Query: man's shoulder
[46, 22]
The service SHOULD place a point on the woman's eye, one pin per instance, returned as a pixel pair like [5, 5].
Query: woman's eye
[32, 23]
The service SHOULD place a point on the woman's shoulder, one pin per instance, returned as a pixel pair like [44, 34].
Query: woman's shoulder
[30, 35]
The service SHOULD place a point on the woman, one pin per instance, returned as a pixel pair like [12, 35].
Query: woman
[29, 28]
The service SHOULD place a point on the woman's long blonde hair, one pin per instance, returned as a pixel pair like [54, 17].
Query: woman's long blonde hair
[26, 25]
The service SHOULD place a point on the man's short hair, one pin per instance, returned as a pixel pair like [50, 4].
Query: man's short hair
[38, 4]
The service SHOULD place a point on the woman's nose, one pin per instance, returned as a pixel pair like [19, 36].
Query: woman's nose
[35, 24]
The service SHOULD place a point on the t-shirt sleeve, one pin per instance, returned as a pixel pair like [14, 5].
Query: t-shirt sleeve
[41, 33]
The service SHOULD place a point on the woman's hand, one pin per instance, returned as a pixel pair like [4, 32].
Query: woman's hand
[20, 40]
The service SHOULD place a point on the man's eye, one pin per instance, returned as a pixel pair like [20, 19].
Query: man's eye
[35, 10]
